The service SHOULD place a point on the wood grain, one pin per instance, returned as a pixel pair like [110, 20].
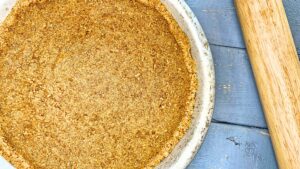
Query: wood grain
[240, 103]
[219, 21]
[276, 69]
[237, 98]
[235, 147]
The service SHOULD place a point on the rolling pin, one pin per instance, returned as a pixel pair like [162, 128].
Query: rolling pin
[276, 68]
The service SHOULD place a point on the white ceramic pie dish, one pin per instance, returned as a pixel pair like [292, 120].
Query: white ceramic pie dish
[185, 150]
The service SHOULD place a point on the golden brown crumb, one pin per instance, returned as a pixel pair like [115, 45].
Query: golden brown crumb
[93, 84]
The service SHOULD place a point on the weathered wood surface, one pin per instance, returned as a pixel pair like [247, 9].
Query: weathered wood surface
[235, 147]
[230, 146]
[240, 104]
[237, 99]
[219, 21]
[276, 68]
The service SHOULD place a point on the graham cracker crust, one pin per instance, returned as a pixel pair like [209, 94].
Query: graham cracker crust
[93, 84]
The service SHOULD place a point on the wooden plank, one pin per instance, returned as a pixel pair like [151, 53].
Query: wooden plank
[237, 99]
[276, 68]
[235, 147]
[293, 13]
[219, 21]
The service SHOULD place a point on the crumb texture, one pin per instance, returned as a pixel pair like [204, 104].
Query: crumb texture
[93, 84]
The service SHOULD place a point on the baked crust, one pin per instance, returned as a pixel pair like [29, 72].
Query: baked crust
[82, 92]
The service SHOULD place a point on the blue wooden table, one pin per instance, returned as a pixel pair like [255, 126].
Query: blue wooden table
[238, 137]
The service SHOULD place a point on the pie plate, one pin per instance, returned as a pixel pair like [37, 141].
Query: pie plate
[186, 149]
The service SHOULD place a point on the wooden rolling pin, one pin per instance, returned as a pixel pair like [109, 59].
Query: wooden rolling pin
[276, 69]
